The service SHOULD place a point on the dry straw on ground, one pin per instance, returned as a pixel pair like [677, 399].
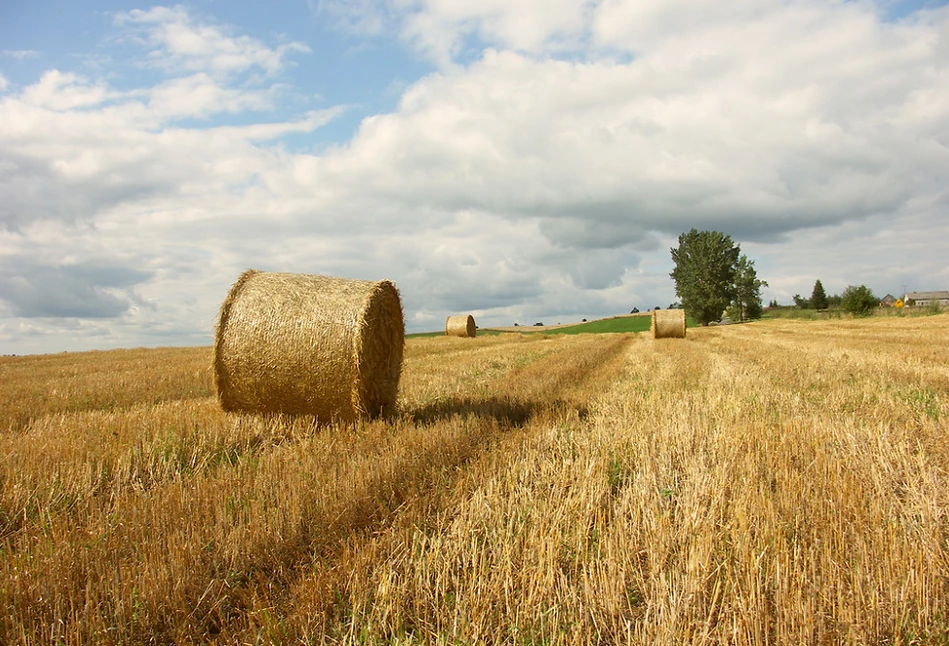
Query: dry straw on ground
[461, 325]
[313, 345]
[668, 324]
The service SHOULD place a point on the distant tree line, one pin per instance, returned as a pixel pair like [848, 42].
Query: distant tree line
[713, 278]
[855, 299]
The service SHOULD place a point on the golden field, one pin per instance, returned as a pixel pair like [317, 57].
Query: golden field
[780, 482]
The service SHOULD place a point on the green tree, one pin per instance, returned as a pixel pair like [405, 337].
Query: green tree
[704, 274]
[819, 297]
[858, 300]
[746, 303]
[801, 302]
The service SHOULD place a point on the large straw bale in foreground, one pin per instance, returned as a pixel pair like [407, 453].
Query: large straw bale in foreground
[312, 345]
[668, 324]
[462, 325]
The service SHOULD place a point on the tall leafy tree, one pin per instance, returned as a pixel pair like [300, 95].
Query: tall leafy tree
[747, 298]
[859, 300]
[704, 274]
[819, 297]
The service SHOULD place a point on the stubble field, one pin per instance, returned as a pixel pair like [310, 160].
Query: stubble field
[768, 483]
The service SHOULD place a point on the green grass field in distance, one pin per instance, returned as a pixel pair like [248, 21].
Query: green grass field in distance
[617, 324]
[600, 326]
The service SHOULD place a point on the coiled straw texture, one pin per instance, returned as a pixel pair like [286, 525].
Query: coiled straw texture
[309, 345]
[668, 324]
[461, 325]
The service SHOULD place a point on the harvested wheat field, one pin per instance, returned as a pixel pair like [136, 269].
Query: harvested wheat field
[769, 483]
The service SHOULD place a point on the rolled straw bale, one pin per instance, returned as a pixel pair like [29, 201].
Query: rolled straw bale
[461, 325]
[309, 345]
[668, 324]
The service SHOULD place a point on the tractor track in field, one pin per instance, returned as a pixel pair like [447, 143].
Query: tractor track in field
[386, 473]
[420, 490]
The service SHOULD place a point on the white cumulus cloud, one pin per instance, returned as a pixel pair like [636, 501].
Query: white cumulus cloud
[540, 172]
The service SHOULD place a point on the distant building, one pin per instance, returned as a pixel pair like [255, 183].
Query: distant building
[888, 301]
[923, 299]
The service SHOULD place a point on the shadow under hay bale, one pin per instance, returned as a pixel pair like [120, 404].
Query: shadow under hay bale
[309, 345]
[668, 324]
[461, 325]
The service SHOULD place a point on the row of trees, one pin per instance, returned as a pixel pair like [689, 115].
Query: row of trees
[712, 276]
[856, 299]
[819, 299]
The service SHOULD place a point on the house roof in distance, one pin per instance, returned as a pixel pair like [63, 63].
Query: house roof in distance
[927, 296]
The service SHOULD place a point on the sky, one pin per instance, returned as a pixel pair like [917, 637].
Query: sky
[519, 160]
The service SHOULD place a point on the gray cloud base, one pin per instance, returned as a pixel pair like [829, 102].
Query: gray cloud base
[73, 291]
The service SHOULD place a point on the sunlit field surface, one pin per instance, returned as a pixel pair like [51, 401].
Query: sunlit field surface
[779, 482]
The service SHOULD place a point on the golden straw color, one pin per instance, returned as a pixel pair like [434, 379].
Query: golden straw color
[461, 325]
[309, 345]
[668, 324]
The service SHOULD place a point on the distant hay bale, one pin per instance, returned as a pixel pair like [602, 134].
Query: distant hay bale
[668, 324]
[309, 345]
[462, 325]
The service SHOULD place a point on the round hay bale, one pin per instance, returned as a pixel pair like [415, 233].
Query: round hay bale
[309, 345]
[668, 324]
[461, 325]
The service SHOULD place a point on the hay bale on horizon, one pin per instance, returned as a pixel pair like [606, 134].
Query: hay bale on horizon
[461, 325]
[668, 324]
[309, 345]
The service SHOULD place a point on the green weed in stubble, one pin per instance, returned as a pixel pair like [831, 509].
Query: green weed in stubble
[921, 402]
[618, 474]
